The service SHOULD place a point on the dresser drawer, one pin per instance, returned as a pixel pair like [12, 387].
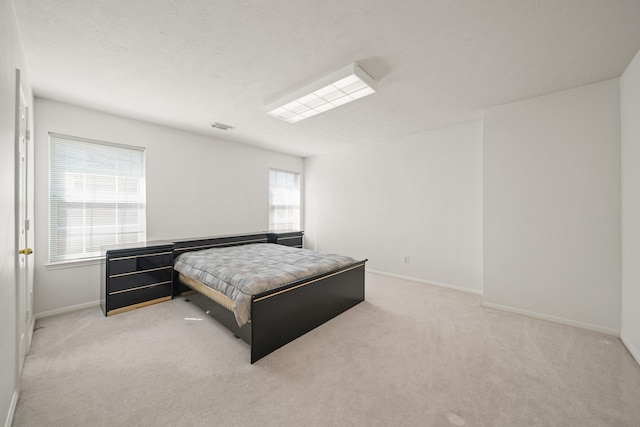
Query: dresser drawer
[143, 295]
[126, 264]
[137, 279]
[294, 241]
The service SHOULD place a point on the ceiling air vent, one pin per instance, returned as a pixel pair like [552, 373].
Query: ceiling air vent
[221, 126]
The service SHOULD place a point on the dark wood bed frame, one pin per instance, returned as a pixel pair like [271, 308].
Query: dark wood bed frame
[281, 315]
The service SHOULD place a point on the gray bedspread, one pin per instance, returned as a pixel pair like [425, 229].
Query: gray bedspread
[241, 271]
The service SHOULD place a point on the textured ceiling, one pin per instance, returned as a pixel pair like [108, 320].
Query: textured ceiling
[188, 63]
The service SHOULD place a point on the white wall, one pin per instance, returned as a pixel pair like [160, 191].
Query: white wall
[552, 244]
[11, 57]
[197, 186]
[419, 196]
[630, 120]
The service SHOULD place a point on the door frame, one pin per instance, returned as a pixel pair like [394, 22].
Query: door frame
[25, 319]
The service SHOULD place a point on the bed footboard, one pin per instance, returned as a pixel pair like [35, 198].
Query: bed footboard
[280, 316]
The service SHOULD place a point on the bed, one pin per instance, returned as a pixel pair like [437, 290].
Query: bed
[268, 304]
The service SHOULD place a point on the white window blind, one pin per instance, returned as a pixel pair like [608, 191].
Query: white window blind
[96, 196]
[284, 200]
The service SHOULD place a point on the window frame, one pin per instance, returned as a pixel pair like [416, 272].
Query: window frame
[71, 262]
[300, 201]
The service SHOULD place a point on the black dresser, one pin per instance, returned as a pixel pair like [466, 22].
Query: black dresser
[136, 275]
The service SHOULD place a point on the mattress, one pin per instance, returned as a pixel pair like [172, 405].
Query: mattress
[238, 272]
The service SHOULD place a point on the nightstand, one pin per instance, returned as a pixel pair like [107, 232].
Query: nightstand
[286, 238]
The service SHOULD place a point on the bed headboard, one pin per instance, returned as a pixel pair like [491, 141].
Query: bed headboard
[187, 245]
[199, 243]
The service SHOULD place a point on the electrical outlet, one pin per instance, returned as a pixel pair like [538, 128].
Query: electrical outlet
[406, 259]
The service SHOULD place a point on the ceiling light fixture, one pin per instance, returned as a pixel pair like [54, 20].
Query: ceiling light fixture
[345, 85]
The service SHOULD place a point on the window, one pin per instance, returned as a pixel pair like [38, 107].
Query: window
[96, 196]
[284, 200]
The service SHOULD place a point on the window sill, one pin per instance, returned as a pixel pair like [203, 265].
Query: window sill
[73, 264]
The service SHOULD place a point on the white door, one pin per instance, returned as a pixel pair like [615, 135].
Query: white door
[24, 288]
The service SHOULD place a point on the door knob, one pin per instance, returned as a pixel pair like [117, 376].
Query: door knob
[25, 251]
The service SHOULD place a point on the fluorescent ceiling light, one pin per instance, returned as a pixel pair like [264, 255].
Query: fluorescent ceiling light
[338, 88]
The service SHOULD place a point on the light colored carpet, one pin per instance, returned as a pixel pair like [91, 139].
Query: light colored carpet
[411, 354]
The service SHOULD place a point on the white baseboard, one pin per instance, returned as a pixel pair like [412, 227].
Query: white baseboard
[12, 409]
[527, 313]
[427, 282]
[630, 347]
[67, 309]
[550, 318]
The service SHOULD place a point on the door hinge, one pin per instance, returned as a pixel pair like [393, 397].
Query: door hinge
[28, 134]
[27, 224]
